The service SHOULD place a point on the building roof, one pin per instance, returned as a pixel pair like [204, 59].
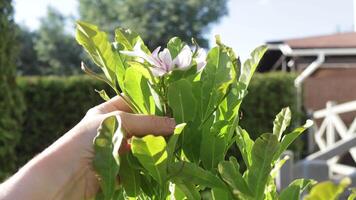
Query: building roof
[339, 40]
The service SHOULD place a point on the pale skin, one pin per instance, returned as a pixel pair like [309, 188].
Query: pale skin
[64, 169]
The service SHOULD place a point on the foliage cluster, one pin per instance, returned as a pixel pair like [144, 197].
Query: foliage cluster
[53, 106]
[64, 100]
[204, 99]
[155, 20]
[11, 106]
[51, 49]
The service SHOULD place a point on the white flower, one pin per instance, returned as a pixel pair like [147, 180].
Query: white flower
[183, 59]
[200, 59]
[162, 62]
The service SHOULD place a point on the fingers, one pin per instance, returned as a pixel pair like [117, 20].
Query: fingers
[141, 125]
[114, 104]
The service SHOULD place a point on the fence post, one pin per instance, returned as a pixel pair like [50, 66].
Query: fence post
[330, 131]
[285, 174]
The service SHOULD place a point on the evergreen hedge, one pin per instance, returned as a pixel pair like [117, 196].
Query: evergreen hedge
[11, 105]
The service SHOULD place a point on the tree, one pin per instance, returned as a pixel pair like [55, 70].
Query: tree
[156, 20]
[10, 99]
[27, 63]
[56, 49]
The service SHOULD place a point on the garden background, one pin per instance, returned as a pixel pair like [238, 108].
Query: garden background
[43, 92]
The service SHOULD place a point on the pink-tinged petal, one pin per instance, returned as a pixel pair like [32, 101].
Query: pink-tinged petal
[153, 61]
[200, 59]
[137, 51]
[201, 65]
[166, 59]
[184, 58]
[157, 71]
[201, 54]
[155, 52]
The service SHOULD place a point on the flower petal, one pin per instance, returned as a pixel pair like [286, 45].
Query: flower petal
[155, 52]
[166, 59]
[138, 52]
[184, 58]
[157, 71]
[201, 65]
[200, 59]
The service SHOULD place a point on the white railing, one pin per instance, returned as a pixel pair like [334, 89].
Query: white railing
[333, 128]
[333, 139]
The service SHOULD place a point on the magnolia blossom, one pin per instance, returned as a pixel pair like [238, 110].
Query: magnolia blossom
[162, 62]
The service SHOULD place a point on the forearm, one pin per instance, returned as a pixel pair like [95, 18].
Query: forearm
[53, 173]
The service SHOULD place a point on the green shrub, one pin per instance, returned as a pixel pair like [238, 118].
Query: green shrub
[10, 99]
[56, 104]
[267, 94]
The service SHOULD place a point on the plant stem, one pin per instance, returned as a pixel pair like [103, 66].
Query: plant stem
[166, 109]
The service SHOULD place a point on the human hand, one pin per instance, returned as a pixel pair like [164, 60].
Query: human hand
[65, 168]
[133, 124]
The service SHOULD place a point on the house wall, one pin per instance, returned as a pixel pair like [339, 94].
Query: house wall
[331, 82]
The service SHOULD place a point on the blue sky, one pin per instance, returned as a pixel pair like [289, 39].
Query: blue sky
[249, 23]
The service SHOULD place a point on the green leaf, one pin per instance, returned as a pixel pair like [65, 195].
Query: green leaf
[171, 147]
[189, 172]
[290, 137]
[278, 165]
[119, 194]
[250, 65]
[230, 173]
[263, 151]
[136, 87]
[188, 189]
[142, 69]
[295, 189]
[175, 45]
[128, 39]
[177, 193]
[105, 160]
[352, 195]
[96, 76]
[328, 190]
[182, 101]
[270, 190]
[151, 152]
[216, 79]
[234, 59]
[229, 107]
[213, 144]
[103, 95]
[281, 122]
[148, 185]
[177, 75]
[220, 194]
[129, 177]
[245, 144]
[99, 48]
[229, 110]
[191, 140]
